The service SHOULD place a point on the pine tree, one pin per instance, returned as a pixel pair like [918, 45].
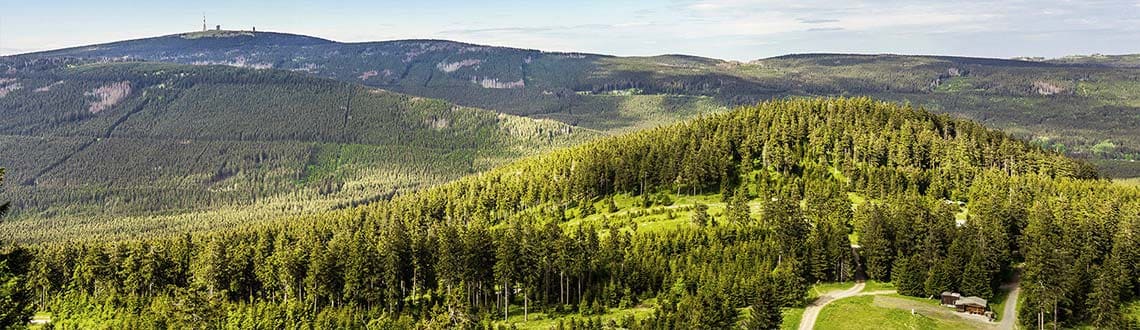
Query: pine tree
[4, 206]
[766, 314]
[790, 286]
[941, 278]
[737, 209]
[908, 275]
[15, 296]
[1104, 300]
[700, 215]
[877, 248]
[976, 277]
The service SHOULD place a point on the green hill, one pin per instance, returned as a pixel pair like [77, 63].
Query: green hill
[685, 224]
[150, 139]
[1079, 105]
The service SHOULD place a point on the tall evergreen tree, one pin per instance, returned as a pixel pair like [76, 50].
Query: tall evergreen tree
[876, 241]
[908, 275]
[737, 209]
[700, 215]
[766, 313]
[15, 297]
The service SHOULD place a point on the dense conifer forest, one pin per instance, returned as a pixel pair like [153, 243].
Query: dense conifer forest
[729, 212]
[1077, 105]
[154, 146]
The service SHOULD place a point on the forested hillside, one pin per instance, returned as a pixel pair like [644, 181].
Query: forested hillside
[1082, 106]
[124, 148]
[692, 220]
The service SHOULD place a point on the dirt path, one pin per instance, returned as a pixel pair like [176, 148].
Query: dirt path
[812, 310]
[1009, 313]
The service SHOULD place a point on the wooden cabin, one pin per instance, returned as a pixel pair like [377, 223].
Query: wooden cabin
[972, 305]
[950, 298]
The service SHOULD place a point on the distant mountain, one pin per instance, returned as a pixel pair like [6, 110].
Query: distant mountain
[1071, 104]
[515, 81]
[66, 114]
[144, 138]
[1119, 61]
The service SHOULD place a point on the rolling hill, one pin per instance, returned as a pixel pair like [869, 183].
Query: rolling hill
[678, 227]
[91, 144]
[1084, 106]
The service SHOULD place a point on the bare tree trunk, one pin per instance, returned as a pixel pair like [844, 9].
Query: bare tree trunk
[506, 301]
[579, 289]
[1054, 315]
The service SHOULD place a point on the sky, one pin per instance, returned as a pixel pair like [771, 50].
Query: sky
[727, 29]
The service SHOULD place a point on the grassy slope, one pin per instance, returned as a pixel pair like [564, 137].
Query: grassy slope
[863, 312]
[541, 320]
[1132, 182]
[1132, 310]
[630, 216]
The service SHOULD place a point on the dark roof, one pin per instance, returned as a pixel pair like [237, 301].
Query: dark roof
[971, 301]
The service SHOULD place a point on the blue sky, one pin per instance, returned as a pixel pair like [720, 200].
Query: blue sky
[729, 29]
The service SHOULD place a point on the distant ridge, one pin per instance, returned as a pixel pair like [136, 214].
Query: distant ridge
[1080, 105]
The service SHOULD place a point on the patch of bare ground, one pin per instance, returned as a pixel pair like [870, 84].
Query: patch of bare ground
[108, 95]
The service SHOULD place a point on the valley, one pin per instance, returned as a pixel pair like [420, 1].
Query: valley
[185, 142]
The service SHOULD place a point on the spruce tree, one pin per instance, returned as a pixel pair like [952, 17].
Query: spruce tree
[15, 296]
[700, 215]
[908, 275]
[876, 241]
[737, 210]
[976, 277]
[766, 314]
[1104, 300]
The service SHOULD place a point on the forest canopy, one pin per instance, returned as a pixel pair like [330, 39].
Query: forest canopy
[730, 210]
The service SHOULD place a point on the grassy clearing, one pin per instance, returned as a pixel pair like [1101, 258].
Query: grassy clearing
[539, 320]
[38, 320]
[1132, 311]
[872, 286]
[792, 317]
[891, 312]
[957, 85]
[1129, 182]
[655, 218]
[821, 288]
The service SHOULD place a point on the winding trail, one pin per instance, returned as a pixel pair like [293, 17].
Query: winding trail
[811, 313]
[812, 310]
[1009, 313]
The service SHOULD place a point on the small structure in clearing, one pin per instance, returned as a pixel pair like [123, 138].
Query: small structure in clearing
[972, 305]
[950, 298]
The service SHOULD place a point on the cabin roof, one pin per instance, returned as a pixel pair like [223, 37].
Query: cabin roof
[972, 301]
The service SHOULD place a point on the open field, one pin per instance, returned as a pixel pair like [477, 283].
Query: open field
[893, 312]
[541, 320]
[1131, 182]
